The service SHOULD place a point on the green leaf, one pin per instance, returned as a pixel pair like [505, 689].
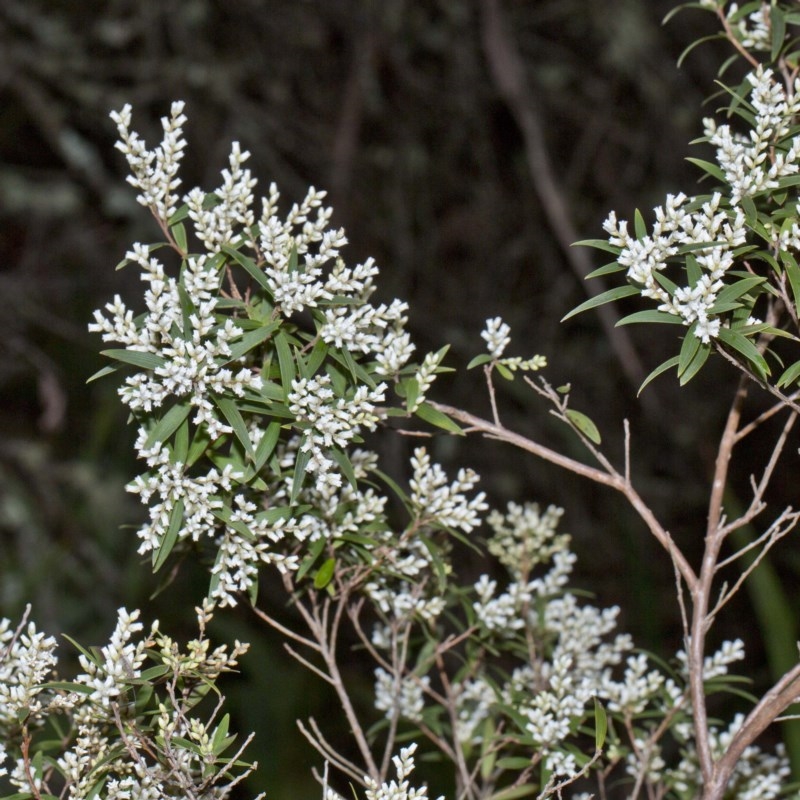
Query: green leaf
[712, 169]
[696, 43]
[314, 553]
[513, 762]
[266, 446]
[599, 244]
[601, 299]
[650, 315]
[483, 358]
[301, 462]
[793, 273]
[316, 357]
[638, 225]
[778, 25]
[293, 265]
[181, 214]
[693, 271]
[250, 266]
[694, 366]
[286, 361]
[232, 414]
[250, 340]
[101, 373]
[790, 375]
[220, 734]
[158, 671]
[345, 465]
[136, 358]
[600, 725]
[161, 553]
[180, 449]
[488, 750]
[689, 346]
[179, 234]
[504, 371]
[736, 290]
[168, 424]
[668, 364]
[513, 792]
[746, 348]
[606, 269]
[750, 211]
[81, 649]
[584, 425]
[325, 573]
[435, 417]
[410, 388]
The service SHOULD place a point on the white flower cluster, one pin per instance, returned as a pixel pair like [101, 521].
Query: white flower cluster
[757, 775]
[95, 750]
[525, 536]
[751, 162]
[232, 205]
[408, 592]
[497, 335]
[434, 499]
[189, 352]
[753, 30]
[399, 789]
[184, 350]
[717, 663]
[400, 697]
[169, 482]
[425, 376]
[154, 172]
[576, 650]
[474, 699]
[331, 421]
[119, 663]
[647, 258]
[27, 658]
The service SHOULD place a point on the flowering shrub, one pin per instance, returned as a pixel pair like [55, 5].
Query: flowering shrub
[256, 372]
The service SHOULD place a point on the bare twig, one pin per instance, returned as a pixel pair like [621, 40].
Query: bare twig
[613, 479]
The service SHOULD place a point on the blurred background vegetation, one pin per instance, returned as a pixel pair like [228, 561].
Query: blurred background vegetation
[464, 144]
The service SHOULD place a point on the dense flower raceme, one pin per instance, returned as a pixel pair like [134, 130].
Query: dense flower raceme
[256, 369]
[708, 237]
[126, 726]
[539, 650]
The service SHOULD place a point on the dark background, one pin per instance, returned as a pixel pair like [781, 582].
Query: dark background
[464, 144]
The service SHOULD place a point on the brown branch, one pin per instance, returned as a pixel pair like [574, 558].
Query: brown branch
[611, 479]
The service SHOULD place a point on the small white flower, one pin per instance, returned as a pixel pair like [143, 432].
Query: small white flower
[496, 334]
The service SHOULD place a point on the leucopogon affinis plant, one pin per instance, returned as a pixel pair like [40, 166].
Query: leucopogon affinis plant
[257, 368]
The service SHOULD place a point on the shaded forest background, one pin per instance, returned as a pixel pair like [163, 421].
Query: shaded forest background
[464, 144]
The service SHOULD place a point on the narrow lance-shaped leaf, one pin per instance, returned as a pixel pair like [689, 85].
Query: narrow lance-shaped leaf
[668, 364]
[600, 725]
[435, 417]
[168, 424]
[161, 553]
[746, 348]
[135, 358]
[601, 299]
[695, 365]
[231, 413]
